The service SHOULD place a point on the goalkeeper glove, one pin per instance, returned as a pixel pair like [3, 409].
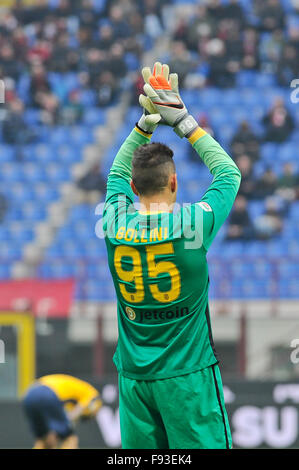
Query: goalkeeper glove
[163, 91]
[150, 117]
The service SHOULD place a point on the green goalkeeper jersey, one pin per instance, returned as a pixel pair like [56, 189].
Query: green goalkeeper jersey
[159, 267]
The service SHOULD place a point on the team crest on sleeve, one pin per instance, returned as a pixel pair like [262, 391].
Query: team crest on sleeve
[205, 206]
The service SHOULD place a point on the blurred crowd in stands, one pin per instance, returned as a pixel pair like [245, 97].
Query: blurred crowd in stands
[212, 43]
[100, 51]
[98, 46]
[217, 40]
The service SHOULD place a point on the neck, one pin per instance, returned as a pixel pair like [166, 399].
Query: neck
[157, 203]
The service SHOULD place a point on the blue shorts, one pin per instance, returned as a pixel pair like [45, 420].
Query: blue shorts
[45, 412]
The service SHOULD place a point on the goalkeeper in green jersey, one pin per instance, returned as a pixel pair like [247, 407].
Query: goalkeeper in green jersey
[170, 388]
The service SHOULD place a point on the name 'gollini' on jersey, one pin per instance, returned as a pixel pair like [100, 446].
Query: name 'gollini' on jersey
[160, 273]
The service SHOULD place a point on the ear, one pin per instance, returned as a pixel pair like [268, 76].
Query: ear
[133, 187]
[173, 183]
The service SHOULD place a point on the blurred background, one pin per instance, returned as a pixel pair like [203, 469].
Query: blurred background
[70, 75]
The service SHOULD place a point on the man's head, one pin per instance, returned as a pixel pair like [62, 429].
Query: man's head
[153, 173]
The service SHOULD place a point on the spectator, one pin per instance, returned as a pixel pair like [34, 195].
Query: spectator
[201, 26]
[116, 63]
[266, 185]
[247, 186]
[49, 105]
[39, 84]
[288, 183]
[39, 52]
[270, 51]
[293, 40]
[3, 207]
[119, 25]
[288, 65]
[106, 38]
[96, 64]
[61, 50]
[152, 19]
[14, 128]
[278, 122]
[10, 62]
[92, 181]
[72, 111]
[240, 226]
[270, 223]
[222, 68]
[250, 59]
[64, 9]
[245, 141]
[234, 46]
[233, 11]
[107, 89]
[215, 9]
[181, 61]
[271, 15]
[295, 4]
[88, 17]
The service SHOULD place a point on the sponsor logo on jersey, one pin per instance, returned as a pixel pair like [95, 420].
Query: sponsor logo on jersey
[205, 206]
[131, 313]
[166, 314]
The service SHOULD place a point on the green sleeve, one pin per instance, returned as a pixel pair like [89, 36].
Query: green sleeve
[221, 194]
[120, 174]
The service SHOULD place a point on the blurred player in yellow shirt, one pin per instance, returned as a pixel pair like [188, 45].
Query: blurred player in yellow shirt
[53, 404]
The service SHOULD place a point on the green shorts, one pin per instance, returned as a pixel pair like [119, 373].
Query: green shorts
[184, 412]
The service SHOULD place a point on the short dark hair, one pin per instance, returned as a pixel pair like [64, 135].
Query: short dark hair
[151, 166]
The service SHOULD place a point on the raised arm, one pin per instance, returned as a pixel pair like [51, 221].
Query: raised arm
[221, 194]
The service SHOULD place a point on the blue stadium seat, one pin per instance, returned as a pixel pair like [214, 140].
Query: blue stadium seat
[57, 270]
[33, 211]
[269, 151]
[45, 193]
[246, 78]
[249, 96]
[7, 153]
[57, 173]
[99, 5]
[59, 135]
[263, 80]
[98, 270]
[42, 152]
[5, 271]
[276, 249]
[294, 211]
[10, 250]
[288, 289]
[22, 236]
[67, 153]
[32, 116]
[232, 249]
[80, 135]
[132, 61]
[33, 173]
[263, 270]
[88, 98]
[210, 97]
[11, 173]
[288, 152]
[4, 234]
[94, 116]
